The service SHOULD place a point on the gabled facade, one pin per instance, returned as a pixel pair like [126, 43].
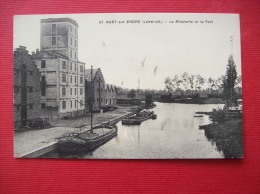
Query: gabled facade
[95, 92]
[110, 98]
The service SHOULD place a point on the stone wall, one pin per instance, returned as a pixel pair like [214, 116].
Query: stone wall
[23, 63]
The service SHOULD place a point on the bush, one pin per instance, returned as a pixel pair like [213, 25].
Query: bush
[218, 115]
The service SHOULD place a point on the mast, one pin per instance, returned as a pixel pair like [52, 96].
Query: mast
[91, 103]
[139, 101]
[99, 95]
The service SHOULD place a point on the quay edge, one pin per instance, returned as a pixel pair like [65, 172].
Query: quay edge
[53, 145]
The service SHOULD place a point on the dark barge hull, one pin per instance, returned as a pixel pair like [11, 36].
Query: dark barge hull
[131, 121]
[79, 145]
[136, 121]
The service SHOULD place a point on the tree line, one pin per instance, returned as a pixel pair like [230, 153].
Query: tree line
[188, 84]
[195, 83]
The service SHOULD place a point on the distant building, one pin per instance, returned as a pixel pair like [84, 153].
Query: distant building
[27, 89]
[62, 75]
[111, 94]
[97, 93]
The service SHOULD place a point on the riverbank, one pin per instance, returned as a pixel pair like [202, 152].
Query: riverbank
[195, 101]
[228, 136]
[35, 143]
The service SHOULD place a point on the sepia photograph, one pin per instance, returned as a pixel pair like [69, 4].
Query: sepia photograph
[127, 86]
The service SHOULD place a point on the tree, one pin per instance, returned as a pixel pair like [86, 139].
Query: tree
[229, 81]
[239, 84]
[168, 85]
[211, 83]
[239, 81]
[176, 83]
[199, 81]
[191, 81]
[185, 80]
[131, 94]
[148, 99]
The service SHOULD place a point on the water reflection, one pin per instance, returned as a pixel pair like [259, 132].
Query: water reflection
[174, 134]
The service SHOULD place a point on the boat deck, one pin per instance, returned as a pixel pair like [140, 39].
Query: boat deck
[96, 133]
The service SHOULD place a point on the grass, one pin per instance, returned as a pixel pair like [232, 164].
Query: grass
[228, 136]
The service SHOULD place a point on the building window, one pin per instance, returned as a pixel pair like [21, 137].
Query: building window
[70, 78]
[30, 73]
[54, 28]
[30, 107]
[75, 103]
[75, 91]
[63, 64]
[71, 104]
[75, 67]
[81, 80]
[43, 85]
[16, 71]
[75, 55]
[97, 99]
[81, 91]
[70, 53]
[75, 43]
[43, 65]
[70, 66]
[75, 79]
[63, 91]
[81, 103]
[16, 89]
[63, 104]
[53, 40]
[81, 68]
[43, 105]
[30, 89]
[63, 77]
[71, 91]
[17, 108]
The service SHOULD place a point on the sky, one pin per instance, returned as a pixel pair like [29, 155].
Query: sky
[127, 51]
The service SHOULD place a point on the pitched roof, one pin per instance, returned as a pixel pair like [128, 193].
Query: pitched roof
[88, 74]
[111, 87]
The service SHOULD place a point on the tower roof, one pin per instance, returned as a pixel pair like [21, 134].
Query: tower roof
[51, 20]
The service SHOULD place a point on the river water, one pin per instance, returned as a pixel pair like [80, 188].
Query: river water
[174, 134]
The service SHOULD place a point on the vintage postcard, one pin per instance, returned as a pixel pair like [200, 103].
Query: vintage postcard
[127, 86]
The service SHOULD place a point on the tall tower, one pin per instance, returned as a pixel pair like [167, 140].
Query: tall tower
[61, 36]
[62, 74]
